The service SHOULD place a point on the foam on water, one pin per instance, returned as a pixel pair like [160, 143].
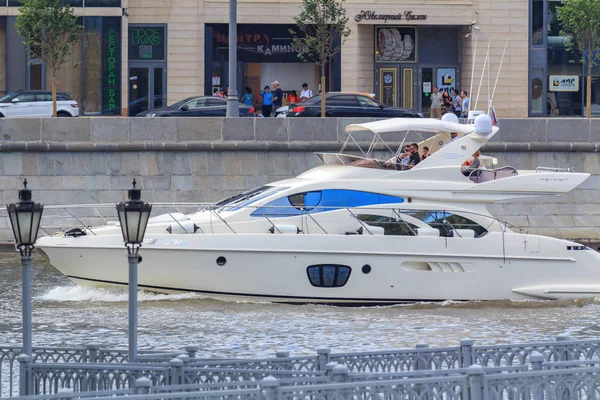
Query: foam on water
[77, 293]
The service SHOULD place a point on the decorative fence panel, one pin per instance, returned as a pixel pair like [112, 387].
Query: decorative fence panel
[571, 384]
[50, 378]
[400, 360]
[305, 363]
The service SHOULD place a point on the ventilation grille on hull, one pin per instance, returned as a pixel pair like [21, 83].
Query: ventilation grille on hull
[436, 266]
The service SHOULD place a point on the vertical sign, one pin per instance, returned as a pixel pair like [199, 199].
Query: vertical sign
[111, 65]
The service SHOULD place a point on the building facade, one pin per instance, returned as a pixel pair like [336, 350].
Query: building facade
[142, 54]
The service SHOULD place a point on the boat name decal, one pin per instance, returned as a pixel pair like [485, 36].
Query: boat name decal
[554, 179]
[167, 242]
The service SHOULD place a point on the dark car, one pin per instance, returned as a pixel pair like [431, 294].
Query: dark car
[201, 106]
[348, 105]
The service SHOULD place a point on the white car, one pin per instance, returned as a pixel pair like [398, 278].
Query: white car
[37, 103]
[281, 112]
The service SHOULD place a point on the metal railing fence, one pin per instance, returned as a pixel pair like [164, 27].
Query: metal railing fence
[92, 353]
[95, 369]
[473, 383]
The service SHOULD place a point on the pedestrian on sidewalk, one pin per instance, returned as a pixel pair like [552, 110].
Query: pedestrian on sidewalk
[306, 93]
[277, 95]
[267, 101]
[247, 97]
[436, 103]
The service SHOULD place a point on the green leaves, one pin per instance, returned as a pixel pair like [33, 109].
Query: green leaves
[322, 30]
[580, 20]
[48, 29]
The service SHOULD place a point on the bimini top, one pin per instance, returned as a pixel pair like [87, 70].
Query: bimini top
[412, 124]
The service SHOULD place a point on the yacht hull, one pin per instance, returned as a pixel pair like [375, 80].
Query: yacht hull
[273, 267]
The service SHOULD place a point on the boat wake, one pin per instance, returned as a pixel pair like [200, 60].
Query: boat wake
[514, 304]
[88, 294]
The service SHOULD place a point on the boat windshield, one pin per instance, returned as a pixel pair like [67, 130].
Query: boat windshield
[243, 199]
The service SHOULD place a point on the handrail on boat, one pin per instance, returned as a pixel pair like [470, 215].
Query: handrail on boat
[399, 214]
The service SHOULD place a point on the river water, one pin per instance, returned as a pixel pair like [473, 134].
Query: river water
[66, 315]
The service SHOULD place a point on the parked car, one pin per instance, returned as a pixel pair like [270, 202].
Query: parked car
[200, 106]
[37, 103]
[340, 104]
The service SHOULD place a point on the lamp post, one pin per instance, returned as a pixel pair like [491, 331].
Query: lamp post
[233, 108]
[133, 216]
[25, 217]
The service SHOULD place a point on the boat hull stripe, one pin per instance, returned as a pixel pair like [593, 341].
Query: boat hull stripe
[329, 300]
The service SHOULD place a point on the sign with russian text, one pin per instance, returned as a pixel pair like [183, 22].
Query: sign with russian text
[370, 15]
[564, 83]
[257, 43]
[111, 66]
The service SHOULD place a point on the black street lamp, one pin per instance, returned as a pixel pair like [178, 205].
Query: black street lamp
[133, 216]
[25, 217]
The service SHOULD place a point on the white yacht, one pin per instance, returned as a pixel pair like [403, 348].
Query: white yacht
[356, 230]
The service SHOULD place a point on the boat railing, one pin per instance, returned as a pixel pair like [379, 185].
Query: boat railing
[85, 219]
[552, 169]
[484, 175]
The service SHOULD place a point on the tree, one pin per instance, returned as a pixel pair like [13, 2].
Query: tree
[323, 29]
[580, 20]
[48, 28]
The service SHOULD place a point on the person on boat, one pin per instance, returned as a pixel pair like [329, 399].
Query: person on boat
[425, 153]
[414, 158]
[400, 161]
[453, 138]
[471, 165]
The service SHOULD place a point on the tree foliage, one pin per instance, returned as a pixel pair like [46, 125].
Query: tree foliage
[580, 20]
[48, 29]
[322, 31]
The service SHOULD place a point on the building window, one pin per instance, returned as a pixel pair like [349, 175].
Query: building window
[321, 201]
[537, 90]
[537, 22]
[326, 275]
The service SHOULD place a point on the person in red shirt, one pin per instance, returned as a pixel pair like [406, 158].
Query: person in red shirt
[293, 97]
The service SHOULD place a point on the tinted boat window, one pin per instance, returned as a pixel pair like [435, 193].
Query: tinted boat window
[445, 222]
[321, 201]
[391, 226]
[326, 275]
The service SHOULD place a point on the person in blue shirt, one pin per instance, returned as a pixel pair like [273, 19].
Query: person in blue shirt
[247, 97]
[267, 102]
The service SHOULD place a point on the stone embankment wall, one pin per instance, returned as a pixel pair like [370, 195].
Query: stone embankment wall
[93, 160]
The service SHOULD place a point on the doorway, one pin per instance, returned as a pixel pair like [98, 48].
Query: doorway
[445, 77]
[147, 88]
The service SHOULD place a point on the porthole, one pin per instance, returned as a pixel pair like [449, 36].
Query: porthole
[221, 261]
[366, 269]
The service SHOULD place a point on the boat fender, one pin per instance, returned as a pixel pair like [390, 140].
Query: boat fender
[285, 229]
[182, 227]
[75, 232]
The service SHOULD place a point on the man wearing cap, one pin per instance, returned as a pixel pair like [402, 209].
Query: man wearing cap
[277, 95]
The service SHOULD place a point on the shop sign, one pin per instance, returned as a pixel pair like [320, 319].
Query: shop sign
[146, 42]
[446, 79]
[258, 43]
[111, 66]
[370, 15]
[564, 83]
